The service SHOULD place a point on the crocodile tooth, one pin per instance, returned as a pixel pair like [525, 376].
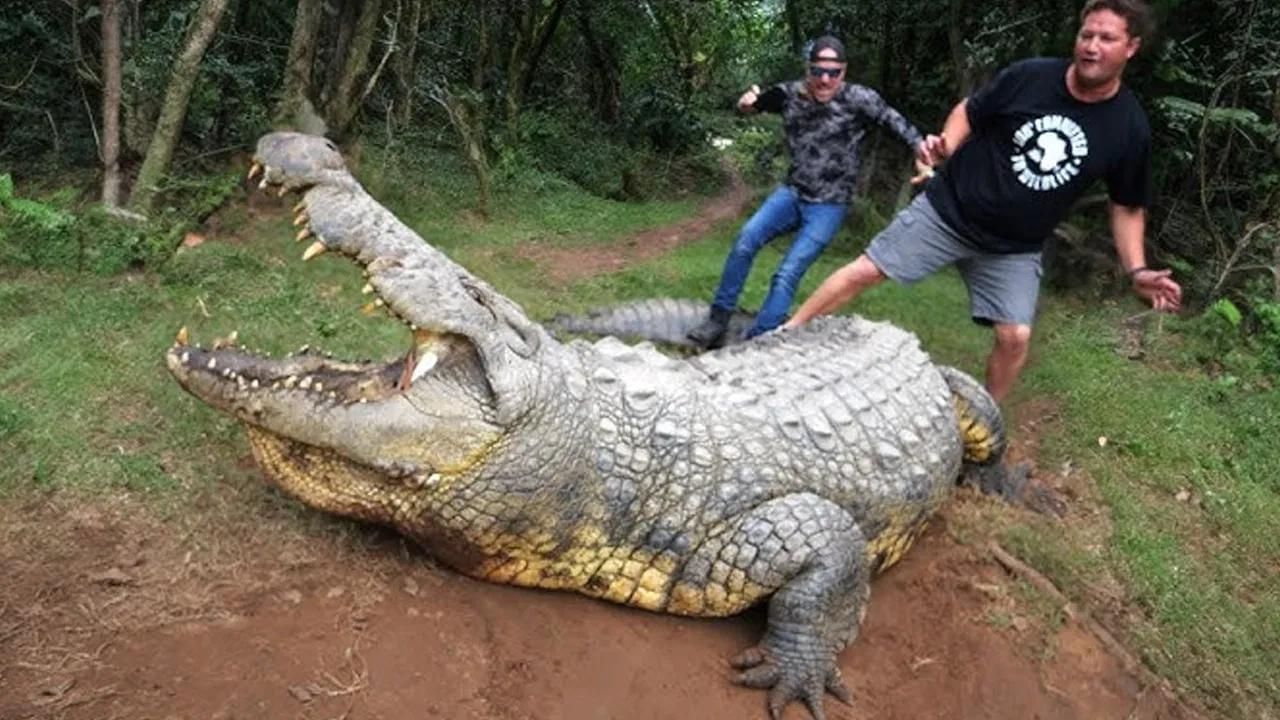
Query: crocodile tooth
[318, 387]
[379, 302]
[366, 289]
[213, 362]
[262, 185]
[303, 234]
[290, 381]
[226, 373]
[254, 170]
[304, 349]
[425, 363]
[300, 206]
[183, 337]
[305, 382]
[313, 250]
[284, 190]
[254, 384]
[302, 218]
[186, 358]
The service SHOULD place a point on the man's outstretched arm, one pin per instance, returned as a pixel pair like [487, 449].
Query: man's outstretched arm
[1128, 228]
[936, 148]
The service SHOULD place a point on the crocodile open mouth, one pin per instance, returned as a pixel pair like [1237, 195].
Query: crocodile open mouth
[316, 374]
[226, 369]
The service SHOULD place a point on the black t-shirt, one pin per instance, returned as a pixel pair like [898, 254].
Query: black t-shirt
[1033, 149]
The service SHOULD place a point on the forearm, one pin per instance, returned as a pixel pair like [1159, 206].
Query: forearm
[1128, 230]
[956, 129]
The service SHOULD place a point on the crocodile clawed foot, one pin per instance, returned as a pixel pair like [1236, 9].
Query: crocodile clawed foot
[804, 677]
[1016, 486]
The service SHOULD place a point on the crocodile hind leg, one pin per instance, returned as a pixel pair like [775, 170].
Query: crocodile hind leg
[809, 553]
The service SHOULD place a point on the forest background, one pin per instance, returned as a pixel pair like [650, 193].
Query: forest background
[150, 100]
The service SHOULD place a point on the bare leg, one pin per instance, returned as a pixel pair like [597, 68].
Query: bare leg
[1008, 355]
[839, 288]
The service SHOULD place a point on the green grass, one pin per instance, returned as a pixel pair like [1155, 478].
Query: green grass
[1202, 569]
[87, 404]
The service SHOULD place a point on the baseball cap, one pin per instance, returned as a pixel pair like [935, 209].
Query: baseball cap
[826, 42]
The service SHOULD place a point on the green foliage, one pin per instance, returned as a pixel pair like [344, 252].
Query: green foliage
[572, 147]
[666, 122]
[35, 234]
[1227, 311]
[53, 234]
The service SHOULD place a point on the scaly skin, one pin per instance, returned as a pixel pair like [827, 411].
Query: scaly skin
[787, 470]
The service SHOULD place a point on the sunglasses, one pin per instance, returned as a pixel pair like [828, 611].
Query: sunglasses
[815, 71]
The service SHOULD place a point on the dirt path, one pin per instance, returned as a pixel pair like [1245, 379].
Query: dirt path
[566, 264]
[259, 609]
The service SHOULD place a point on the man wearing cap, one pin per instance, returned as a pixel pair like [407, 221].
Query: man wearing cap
[1018, 153]
[825, 120]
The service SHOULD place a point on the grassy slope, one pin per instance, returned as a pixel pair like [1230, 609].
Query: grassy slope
[86, 403]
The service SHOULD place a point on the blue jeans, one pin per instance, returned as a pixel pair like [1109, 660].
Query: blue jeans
[815, 224]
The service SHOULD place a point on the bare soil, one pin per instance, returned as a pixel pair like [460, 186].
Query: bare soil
[566, 264]
[106, 613]
[244, 605]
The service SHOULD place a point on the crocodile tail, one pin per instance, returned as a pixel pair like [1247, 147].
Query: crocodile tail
[665, 320]
[981, 423]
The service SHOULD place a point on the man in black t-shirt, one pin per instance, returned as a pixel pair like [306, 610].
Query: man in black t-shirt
[1019, 153]
[826, 120]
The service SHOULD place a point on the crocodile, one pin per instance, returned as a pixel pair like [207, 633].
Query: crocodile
[787, 470]
[666, 321]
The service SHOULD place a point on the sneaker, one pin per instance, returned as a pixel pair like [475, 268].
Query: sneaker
[711, 331]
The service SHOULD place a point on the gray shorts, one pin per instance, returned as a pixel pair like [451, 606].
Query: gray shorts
[1002, 287]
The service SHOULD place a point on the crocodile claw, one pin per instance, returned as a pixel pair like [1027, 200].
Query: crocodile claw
[803, 678]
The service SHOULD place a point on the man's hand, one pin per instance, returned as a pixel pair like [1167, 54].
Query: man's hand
[1158, 288]
[747, 103]
[931, 151]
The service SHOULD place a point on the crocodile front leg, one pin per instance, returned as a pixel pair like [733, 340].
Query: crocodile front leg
[808, 552]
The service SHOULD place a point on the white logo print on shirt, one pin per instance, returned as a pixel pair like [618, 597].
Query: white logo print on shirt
[1048, 152]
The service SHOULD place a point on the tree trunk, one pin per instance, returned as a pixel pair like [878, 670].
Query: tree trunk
[675, 42]
[545, 30]
[604, 85]
[535, 27]
[794, 28]
[110, 103]
[343, 104]
[348, 12]
[404, 70]
[136, 105]
[962, 77]
[296, 109]
[174, 109]
[468, 118]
